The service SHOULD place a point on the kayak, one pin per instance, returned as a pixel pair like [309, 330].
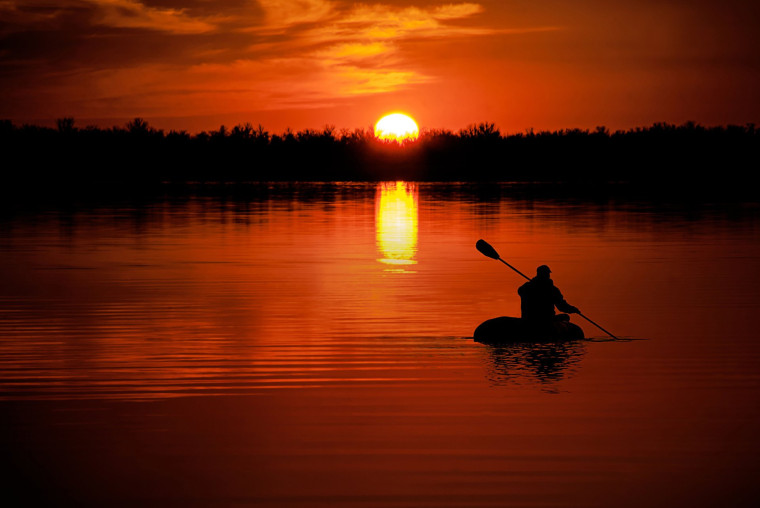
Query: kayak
[507, 330]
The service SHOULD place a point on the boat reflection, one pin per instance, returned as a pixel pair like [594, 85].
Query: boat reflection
[396, 224]
[544, 364]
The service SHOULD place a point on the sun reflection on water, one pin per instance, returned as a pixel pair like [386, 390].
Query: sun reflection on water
[396, 224]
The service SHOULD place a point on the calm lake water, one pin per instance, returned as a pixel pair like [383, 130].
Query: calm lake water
[311, 346]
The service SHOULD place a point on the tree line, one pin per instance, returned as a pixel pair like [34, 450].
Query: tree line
[685, 157]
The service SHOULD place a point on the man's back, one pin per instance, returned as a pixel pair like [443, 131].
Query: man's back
[538, 298]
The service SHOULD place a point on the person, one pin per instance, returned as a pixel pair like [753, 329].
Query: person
[539, 296]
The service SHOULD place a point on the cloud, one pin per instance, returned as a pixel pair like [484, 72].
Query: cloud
[281, 14]
[310, 53]
[124, 57]
[20, 15]
[249, 84]
[352, 80]
[359, 45]
[378, 21]
[453, 11]
[353, 51]
[134, 14]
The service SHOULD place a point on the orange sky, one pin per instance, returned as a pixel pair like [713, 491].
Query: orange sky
[554, 64]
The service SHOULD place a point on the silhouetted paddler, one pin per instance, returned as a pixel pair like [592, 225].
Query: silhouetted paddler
[539, 296]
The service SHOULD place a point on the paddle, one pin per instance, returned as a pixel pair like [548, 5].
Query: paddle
[487, 250]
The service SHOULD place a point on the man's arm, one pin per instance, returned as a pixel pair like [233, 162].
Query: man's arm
[562, 305]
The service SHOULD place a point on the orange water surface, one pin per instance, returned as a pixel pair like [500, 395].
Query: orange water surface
[309, 345]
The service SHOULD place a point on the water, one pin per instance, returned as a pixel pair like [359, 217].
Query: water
[310, 345]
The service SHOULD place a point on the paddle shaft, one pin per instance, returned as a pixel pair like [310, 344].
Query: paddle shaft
[513, 268]
[602, 329]
[581, 315]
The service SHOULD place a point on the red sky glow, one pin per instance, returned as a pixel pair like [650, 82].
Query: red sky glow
[197, 64]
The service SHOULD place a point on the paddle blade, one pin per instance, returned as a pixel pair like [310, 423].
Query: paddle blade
[486, 249]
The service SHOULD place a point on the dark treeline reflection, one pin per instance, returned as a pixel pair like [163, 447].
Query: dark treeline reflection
[571, 206]
[662, 157]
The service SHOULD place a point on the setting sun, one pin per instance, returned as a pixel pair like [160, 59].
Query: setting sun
[397, 127]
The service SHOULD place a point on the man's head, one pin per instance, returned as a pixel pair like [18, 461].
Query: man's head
[543, 272]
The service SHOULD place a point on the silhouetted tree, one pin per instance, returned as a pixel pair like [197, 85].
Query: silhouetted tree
[65, 125]
[138, 126]
[481, 131]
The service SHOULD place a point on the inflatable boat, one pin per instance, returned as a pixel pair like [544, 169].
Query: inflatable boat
[509, 330]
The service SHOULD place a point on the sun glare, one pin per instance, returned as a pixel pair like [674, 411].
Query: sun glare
[397, 127]
[396, 224]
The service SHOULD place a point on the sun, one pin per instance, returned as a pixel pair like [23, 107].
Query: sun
[397, 127]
